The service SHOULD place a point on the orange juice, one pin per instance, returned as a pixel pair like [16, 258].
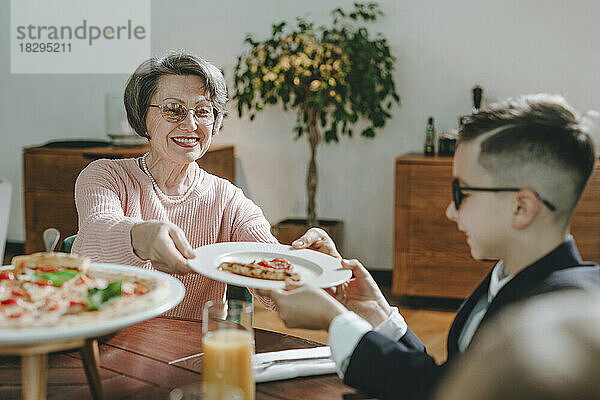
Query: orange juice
[227, 363]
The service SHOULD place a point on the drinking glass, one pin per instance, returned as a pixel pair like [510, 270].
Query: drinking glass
[228, 346]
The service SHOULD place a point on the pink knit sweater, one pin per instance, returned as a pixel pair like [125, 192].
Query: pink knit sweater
[112, 195]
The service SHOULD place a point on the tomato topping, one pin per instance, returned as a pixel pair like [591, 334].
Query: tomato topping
[51, 304]
[276, 263]
[77, 303]
[8, 302]
[43, 282]
[7, 275]
[18, 292]
[139, 290]
[48, 269]
[17, 315]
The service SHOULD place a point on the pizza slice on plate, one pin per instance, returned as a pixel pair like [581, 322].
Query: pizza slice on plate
[277, 269]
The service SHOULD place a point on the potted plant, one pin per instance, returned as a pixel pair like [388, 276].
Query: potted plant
[333, 76]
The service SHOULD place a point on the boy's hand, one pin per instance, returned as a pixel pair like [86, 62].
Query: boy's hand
[317, 239]
[304, 306]
[362, 295]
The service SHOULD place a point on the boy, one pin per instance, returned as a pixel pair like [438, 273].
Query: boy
[519, 169]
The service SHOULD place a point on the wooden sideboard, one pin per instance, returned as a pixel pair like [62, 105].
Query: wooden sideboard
[49, 183]
[431, 257]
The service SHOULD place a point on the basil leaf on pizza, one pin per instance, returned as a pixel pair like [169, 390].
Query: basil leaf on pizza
[58, 278]
[98, 298]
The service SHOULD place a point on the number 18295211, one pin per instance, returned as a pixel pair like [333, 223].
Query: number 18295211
[35, 47]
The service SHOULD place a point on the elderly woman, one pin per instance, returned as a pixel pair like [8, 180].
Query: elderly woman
[153, 210]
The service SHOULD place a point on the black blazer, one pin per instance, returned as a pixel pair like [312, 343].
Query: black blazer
[404, 370]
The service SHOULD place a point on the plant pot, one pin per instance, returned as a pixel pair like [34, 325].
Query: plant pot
[291, 229]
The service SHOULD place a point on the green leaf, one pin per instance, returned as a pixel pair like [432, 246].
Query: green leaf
[369, 132]
[99, 298]
[58, 278]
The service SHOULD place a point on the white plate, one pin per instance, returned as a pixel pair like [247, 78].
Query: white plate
[315, 268]
[21, 336]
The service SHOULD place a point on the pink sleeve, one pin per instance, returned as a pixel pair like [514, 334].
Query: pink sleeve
[104, 230]
[248, 221]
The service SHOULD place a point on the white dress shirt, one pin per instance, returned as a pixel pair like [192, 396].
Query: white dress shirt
[347, 329]
[498, 279]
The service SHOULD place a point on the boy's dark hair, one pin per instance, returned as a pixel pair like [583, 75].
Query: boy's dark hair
[537, 142]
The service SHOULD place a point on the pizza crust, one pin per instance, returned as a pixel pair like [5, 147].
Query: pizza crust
[54, 259]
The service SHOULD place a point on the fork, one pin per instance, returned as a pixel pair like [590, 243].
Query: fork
[267, 364]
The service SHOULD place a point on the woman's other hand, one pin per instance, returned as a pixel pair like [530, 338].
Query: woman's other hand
[164, 244]
[362, 295]
[304, 306]
[317, 239]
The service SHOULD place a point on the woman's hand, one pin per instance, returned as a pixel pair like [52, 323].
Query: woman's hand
[304, 306]
[164, 244]
[362, 295]
[317, 239]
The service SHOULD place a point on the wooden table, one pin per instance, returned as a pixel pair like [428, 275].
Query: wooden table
[148, 360]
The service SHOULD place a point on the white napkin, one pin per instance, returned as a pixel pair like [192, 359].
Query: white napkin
[287, 364]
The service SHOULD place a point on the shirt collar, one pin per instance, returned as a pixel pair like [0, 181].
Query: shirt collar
[564, 255]
[498, 279]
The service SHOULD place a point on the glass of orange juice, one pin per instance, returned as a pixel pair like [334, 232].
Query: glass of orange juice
[228, 346]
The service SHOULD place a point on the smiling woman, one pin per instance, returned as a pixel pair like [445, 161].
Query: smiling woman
[153, 210]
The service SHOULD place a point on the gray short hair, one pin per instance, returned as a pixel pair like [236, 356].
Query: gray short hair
[143, 83]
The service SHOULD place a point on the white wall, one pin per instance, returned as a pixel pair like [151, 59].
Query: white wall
[443, 49]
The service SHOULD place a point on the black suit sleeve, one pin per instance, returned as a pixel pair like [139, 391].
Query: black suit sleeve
[392, 370]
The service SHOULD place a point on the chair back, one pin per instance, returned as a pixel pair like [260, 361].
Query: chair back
[5, 193]
[67, 243]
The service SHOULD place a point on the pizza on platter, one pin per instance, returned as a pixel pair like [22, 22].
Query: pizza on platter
[58, 289]
[277, 269]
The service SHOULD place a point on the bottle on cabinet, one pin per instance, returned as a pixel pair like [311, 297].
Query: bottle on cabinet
[477, 96]
[429, 138]
[477, 92]
[447, 143]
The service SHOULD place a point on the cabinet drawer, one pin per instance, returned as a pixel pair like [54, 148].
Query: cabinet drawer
[47, 209]
[589, 204]
[586, 231]
[440, 274]
[49, 172]
[219, 162]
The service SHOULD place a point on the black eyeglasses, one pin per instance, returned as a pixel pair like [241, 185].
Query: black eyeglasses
[176, 112]
[458, 195]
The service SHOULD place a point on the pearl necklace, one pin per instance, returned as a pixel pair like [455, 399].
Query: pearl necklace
[165, 198]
